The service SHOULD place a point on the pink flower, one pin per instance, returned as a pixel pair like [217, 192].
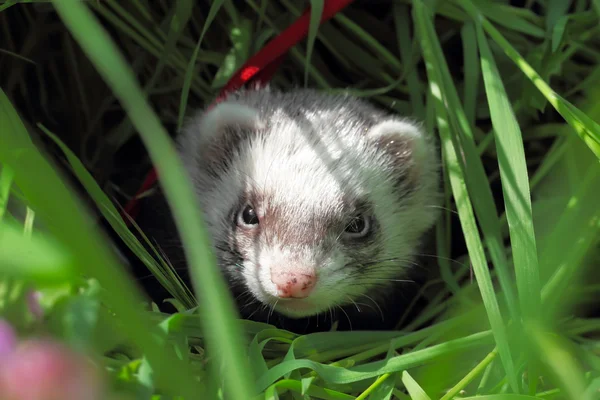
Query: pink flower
[47, 370]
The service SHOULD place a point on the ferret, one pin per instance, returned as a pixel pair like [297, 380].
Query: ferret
[317, 204]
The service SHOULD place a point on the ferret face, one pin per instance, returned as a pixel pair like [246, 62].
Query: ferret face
[312, 201]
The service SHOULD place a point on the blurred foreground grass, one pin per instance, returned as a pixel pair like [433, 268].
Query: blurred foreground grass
[512, 92]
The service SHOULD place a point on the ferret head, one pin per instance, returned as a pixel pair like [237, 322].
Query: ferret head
[312, 200]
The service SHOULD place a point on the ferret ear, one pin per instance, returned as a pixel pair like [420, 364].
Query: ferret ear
[226, 116]
[211, 139]
[406, 145]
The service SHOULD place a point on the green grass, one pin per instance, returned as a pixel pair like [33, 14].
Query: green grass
[517, 115]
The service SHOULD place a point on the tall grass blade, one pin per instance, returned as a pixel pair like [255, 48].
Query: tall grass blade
[415, 391]
[191, 67]
[340, 375]
[166, 276]
[472, 71]
[553, 351]
[316, 11]
[480, 193]
[405, 44]
[223, 333]
[65, 218]
[515, 184]
[34, 257]
[433, 61]
[586, 128]
[6, 178]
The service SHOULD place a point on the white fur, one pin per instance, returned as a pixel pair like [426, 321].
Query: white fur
[314, 151]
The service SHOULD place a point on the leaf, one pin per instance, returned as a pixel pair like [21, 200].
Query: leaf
[306, 384]
[64, 215]
[145, 378]
[313, 392]
[166, 275]
[385, 384]
[241, 37]
[340, 375]
[316, 12]
[555, 11]
[38, 257]
[415, 391]
[78, 320]
[374, 45]
[405, 43]
[502, 397]
[446, 102]
[586, 128]
[482, 367]
[257, 361]
[515, 184]
[554, 351]
[189, 72]
[558, 31]
[223, 334]
[385, 390]
[6, 177]
[472, 71]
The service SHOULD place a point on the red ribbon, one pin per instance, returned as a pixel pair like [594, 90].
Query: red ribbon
[260, 68]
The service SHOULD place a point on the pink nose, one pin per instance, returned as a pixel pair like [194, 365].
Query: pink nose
[294, 285]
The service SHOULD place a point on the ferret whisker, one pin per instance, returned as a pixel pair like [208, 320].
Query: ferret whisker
[442, 258]
[245, 292]
[253, 312]
[272, 309]
[376, 305]
[368, 280]
[347, 316]
[381, 262]
[248, 295]
[388, 261]
[367, 306]
[442, 208]
[263, 306]
[355, 304]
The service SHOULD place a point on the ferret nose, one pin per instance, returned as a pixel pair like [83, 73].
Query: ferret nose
[295, 285]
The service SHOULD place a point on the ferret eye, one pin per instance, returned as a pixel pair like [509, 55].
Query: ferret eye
[359, 227]
[247, 216]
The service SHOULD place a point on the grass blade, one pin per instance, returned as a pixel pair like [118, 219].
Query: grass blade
[480, 368]
[475, 175]
[66, 219]
[515, 185]
[189, 72]
[340, 375]
[223, 333]
[553, 351]
[405, 42]
[316, 11]
[165, 275]
[6, 177]
[472, 72]
[415, 391]
[459, 188]
[34, 257]
[586, 128]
